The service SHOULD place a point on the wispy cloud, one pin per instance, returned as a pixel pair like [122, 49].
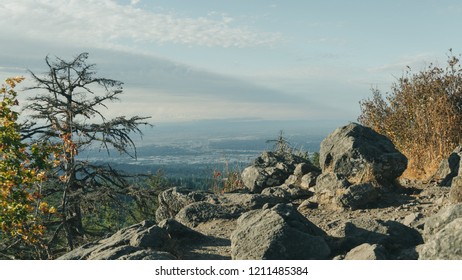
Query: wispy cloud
[416, 62]
[105, 23]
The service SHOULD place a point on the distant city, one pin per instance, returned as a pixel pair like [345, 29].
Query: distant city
[190, 152]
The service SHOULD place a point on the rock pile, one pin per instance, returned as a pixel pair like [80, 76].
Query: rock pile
[143, 241]
[275, 169]
[292, 210]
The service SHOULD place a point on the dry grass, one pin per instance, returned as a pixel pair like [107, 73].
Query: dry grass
[422, 116]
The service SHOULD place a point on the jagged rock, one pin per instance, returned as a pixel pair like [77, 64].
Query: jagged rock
[171, 201]
[153, 237]
[358, 196]
[279, 232]
[141, 241]
[328, 186]
[287, 192]
[449, 168]
[367, 251]
[308, 204]
[393, 236]
[412, 219]
[303, 168]
[455, 194]
[438, 221]
[304, 176]
[309, 180]
[178, 231]
[272, 169]
[201, 212]
[445, 244]
[361, 155]
[334, 191]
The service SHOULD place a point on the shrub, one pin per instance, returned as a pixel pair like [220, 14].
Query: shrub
[22, 171]
[422, 115]
[226, 180]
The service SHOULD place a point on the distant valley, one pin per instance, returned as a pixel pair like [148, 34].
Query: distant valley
[190, 154]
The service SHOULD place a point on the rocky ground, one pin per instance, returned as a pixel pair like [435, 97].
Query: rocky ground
[354, 207]
[411, 206]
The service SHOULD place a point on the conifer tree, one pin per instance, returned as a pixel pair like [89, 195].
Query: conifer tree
[66, 110]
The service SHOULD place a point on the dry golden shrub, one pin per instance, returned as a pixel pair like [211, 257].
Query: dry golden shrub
[422, 115]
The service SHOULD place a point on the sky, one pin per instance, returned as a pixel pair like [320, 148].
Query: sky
[241, 59]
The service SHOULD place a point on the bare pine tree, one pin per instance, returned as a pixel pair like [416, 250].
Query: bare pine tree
[67, 113]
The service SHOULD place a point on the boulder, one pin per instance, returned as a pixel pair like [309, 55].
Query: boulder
[438, 221]
[358, 196]
[393, 236]
[455, 194]
[247, 201]
[140, 241]
[445, 244]
[334, 191]
[449, 168]
[201, 212]
[304, 176]
[278, 232]
[272, 169]
[309, 180]
[361, 155]
[328, 186]
[171, 201]
[367, 251]
[178, 231]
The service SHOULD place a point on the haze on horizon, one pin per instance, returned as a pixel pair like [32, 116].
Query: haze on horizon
[247, 60]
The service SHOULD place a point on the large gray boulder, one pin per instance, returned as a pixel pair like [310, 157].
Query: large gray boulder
[140, 241]
[361, 155]
[278, 232]
[272, 169]
[357, 164]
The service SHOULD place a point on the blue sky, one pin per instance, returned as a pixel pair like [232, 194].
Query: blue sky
[217, 59]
